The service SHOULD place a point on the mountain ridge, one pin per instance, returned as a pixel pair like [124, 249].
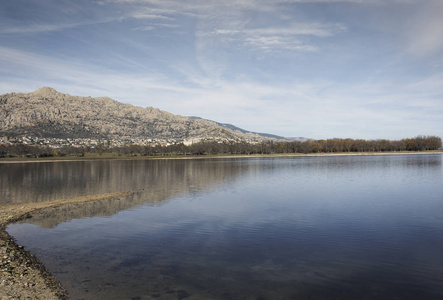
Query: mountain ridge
[46, 112]
[268, 135]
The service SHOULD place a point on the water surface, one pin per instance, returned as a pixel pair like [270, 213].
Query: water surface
[366, 227]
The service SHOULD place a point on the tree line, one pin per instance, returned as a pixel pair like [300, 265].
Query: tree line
[335, 145]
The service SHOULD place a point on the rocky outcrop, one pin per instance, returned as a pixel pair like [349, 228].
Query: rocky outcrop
[48, 113]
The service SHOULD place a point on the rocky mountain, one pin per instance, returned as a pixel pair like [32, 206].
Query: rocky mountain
[48, 113]
[235, 128]
[264, 135]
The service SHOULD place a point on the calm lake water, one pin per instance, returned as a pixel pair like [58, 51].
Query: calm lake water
[357, 227]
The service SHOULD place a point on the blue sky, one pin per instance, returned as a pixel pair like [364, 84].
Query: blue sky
[315, 68]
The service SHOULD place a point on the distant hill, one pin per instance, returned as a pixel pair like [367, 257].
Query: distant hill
[48, 113]
[264, 135]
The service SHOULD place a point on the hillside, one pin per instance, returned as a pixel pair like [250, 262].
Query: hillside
[264, 135]
[48, 113]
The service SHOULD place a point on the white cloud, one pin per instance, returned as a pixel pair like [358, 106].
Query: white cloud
[303, 108]
[425, 29]
[144, 28]
[34, 28]
[141, 15]
[271, 43]
[314, 29]
[230, 21]
[415, 25]
[279, 38]
[213, 70]
[82, 78]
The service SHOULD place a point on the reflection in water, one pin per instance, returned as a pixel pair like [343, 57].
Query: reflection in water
[154, 181]
[272, 228]
[34, 182]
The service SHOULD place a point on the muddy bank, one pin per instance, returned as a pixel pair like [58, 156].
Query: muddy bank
[22, 276]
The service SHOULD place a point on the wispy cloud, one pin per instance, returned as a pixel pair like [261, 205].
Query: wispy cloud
[302, 105]
[83, 78]
[270, 43]
[425, 37]
[352, 68]
[38, 28]
[280, 38]
[314, 29]
[35, 28]
[155, 26]
[140, 15]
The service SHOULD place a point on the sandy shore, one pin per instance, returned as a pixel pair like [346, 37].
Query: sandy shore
[22, 274]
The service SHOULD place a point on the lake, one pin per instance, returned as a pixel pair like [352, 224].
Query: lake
[339, 227]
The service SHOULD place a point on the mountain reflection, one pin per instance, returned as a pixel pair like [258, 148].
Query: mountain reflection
[153, 182]
[362, 227]
[35, 182]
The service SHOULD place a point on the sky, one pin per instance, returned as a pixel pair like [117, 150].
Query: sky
[320, 69]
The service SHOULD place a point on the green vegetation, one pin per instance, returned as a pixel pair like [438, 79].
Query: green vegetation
[420, 143]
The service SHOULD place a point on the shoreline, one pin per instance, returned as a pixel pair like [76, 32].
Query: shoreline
[22, 275]
[220, 156]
